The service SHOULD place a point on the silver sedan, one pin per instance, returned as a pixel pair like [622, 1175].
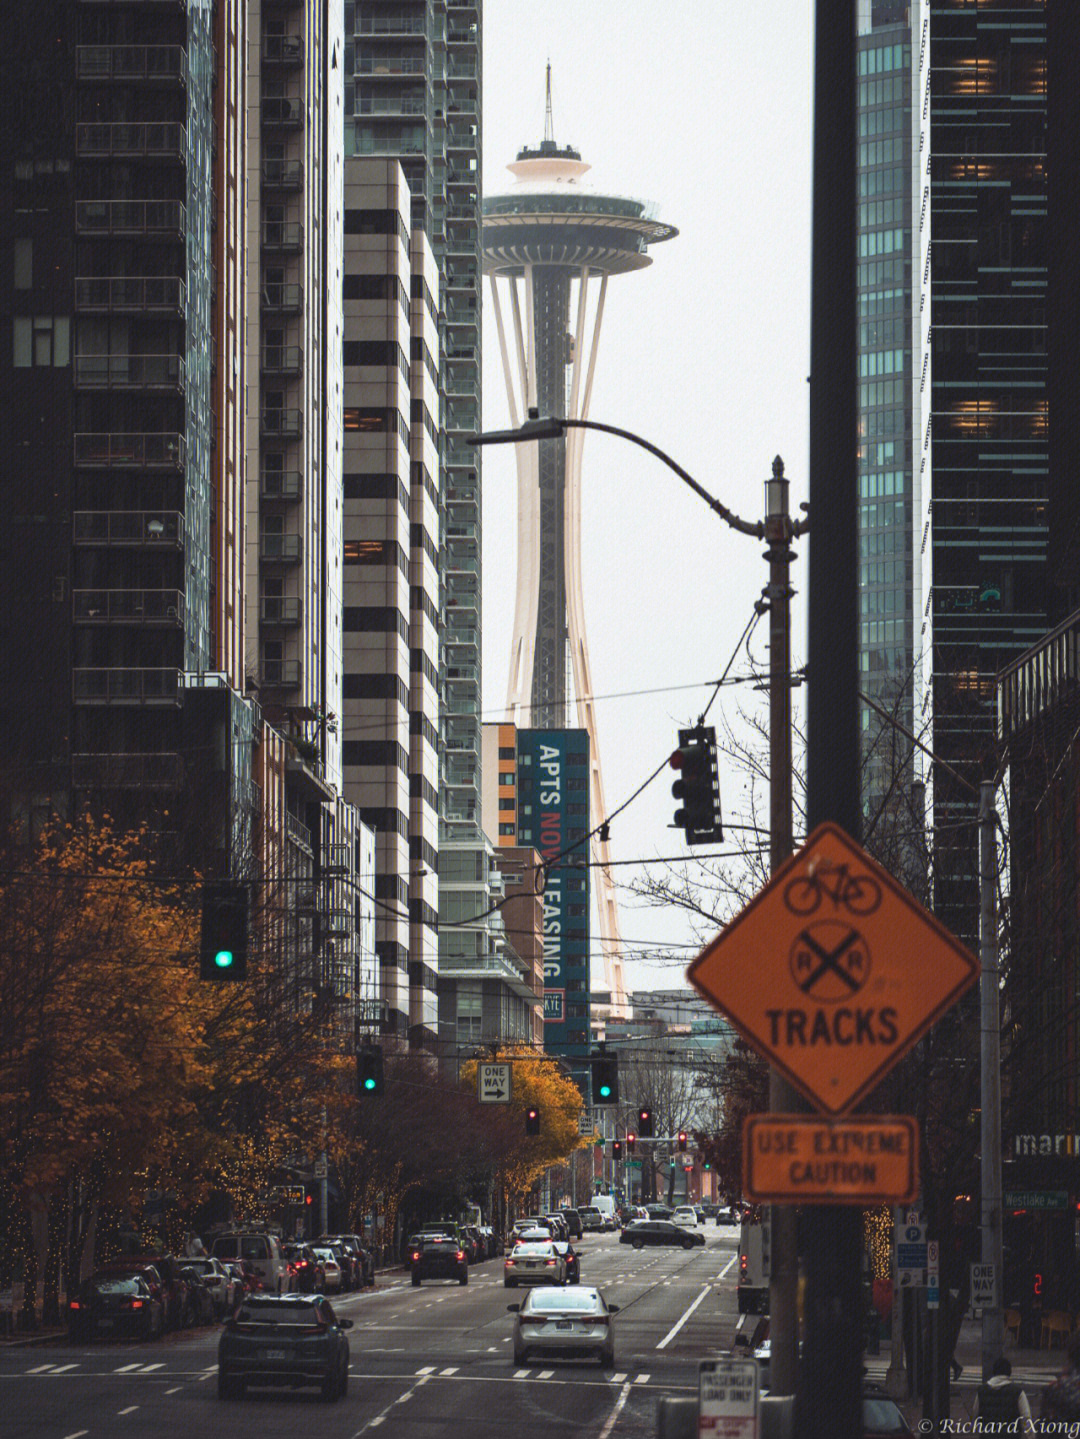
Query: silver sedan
[574, 1323]
[534, 1263]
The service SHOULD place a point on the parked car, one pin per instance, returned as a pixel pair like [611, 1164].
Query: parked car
[559, 1227]
[363, 1259]
[570, 1324]
[219, 1282]
[660, 1231]
[476, 1248]
[570, 1255]
[289, 1339]
[261, 1249]
[492, 1241]
[882, 1417]
[199, 1306]
[572, 1220]
[332, 1276]
[114, 1305]
[438, 1256]
[536, 1262]
[308, 1274]
[162, 1275]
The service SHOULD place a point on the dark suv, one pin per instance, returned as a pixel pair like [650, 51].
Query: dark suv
[437, 1256]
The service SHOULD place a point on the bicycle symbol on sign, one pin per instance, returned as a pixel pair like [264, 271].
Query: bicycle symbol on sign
[858, 893]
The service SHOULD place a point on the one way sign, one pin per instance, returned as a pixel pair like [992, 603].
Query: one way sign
[493, 1083]
[983, 1286]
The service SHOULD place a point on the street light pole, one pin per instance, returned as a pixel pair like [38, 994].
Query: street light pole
[993, 1333]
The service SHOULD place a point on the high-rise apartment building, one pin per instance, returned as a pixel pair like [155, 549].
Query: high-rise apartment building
[412, 99]
[170, 200]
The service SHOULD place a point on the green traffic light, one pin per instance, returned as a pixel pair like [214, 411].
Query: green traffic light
[224, 959]
[605, 1091]
[369, 1083]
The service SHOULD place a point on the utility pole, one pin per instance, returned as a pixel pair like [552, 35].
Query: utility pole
[783, 1099]
[828, 1401]
[993, 1334]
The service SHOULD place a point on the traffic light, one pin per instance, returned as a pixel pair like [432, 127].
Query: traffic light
[369, 1071]
[223, 942]
[681, 1141]
[616, 1148]
[605, 1079]
[644, 1123]
[698, 786]
[532, 1120]
[631, 1141]
[309, 1194]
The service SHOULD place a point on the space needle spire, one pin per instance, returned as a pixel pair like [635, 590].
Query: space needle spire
[550, 244]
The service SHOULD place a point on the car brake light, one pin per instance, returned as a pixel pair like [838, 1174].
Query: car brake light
[74, 1304]
[509, 1264]
[551, 1263]
[136, 1304]
[416, 1255]
[461, 1254]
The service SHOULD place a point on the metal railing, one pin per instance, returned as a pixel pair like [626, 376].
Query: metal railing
[280, 609]
[130, 62]
[135, 292]
[285, 548]
[130, 217]
[286, 423]
[125, 686]
[128, 606]
[129, 372]
[280, 484]
[158, 138]
[137, 451]
[127, 527]
[127, 771]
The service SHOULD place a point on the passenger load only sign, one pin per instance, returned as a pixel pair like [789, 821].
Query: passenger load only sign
[833, 971]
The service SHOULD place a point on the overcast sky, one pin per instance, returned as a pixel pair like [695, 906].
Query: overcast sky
[702, 106]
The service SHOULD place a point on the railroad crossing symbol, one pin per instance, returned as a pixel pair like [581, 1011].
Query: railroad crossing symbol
[494, 1083]
[833, 971]
[830, 961]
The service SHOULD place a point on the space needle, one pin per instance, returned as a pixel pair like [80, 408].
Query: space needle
[550, 243]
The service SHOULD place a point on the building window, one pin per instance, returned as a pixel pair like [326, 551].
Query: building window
[41, 341]
[506, 829]
[24, 264]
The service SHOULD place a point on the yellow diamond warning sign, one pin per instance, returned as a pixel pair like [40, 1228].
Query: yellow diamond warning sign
[833, 971]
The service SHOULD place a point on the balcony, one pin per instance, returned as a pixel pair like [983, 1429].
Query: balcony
[338, 860]
[283, 174]
[280, 549]
[145, 294]
[298, 833]
[283, 50]
[142, 607]
[282, 112]
[163, 529]
[161, 140]
[287, 235]
[125, 686]
[130, 372]
[283, 299]
[131, 62]
[337, 922]
[165, 219]
[130, 452]
[127, 771]
[284, 424]
[280, 674]
[282, 360]
[280, 484]
[280, 610]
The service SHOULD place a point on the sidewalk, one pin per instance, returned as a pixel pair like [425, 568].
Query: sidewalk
[1032, 1368]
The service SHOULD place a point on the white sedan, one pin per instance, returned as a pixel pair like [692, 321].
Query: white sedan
[534, 1263]
[686, 1214]
[331, 1270]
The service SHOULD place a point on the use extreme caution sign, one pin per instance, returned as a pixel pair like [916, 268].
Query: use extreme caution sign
[797, 1159]
[833, 971]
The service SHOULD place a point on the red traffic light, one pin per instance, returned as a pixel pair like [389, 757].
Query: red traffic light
[682, 1140]
[631, 1140]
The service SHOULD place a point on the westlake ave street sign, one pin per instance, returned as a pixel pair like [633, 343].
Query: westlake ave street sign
[797, 1159]
[833, 971]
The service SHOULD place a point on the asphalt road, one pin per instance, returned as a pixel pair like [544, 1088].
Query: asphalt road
[428, 1363]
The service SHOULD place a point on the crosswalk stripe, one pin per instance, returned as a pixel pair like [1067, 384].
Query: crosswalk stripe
[148, 1368]
[63, 1368]
[41, 1369]
[546, 1374]
[521, 1374]
[427, 1369]
[617, 1378]
[446, 1372]
[127, 1368]
[642, 1379]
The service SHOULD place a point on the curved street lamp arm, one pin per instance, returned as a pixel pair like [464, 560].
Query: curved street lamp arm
[537, 429]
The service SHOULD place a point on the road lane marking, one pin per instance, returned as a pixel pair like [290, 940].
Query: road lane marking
[174, 1391]
[643, 1379]
[546, 1374]
[63, 1368]
[78, 1434]
[616, 1378]
[41, 1369]
[127, 1368]
[148, 1368]
[670, 1335]
[609, 1423]
[447, 1372]
[129, 1410]
[427, 1369]
[727, 1266]
[521, 1373]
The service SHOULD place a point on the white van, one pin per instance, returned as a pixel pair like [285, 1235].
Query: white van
[263, 1251]
[606, 1205]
